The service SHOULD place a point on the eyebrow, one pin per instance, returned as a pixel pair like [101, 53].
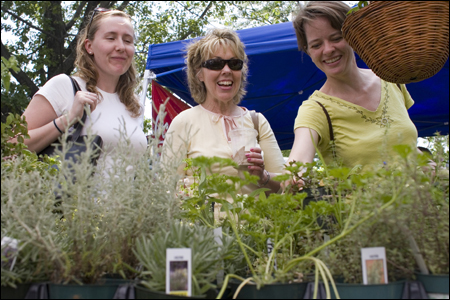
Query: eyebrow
[331, 35]
[114, 32]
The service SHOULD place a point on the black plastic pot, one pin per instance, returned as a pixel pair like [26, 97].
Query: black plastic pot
[19, 293]
[270, 291]
[434, 284]
[142, 292]
[392, 290]
[87, 291]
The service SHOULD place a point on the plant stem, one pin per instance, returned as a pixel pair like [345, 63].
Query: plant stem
[241, 286]
[225, 283]
[345, 233]
[233, 225]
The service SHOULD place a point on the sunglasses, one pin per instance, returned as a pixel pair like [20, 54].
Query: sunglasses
[218, 64]
[96, 10]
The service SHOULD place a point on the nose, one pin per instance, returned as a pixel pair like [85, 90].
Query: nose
[328, 47]
[120, 46]
[226, 69]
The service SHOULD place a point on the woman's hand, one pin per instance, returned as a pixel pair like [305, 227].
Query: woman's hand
[255, 157]
[81, 99]
[292, 185]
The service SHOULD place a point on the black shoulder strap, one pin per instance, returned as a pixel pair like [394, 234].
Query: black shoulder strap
[79, 126]
[255, 122]
[330, 128]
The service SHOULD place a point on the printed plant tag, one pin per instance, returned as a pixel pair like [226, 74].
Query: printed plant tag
[374, 265]
[179, 271]
[269, 251]
[9, 252]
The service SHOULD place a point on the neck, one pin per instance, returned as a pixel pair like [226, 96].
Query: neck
[353, 80]
[226, 109]
[107, 84]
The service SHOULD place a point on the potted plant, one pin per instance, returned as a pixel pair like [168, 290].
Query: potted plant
[93, 230]
[392, 228]
[208, 259]
[281, 219]
[428, 222]
[21, 265]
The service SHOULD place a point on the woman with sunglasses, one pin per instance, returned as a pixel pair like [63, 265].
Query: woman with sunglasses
[217, 75]
[107, 77]
[366, 115]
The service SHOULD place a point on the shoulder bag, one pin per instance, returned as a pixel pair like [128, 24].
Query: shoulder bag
[77, 142]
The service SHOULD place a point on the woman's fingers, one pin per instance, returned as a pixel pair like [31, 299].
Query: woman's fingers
[255, 157]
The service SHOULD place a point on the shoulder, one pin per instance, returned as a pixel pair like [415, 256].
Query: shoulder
[314, 101]
[59, 81]
[186, 116]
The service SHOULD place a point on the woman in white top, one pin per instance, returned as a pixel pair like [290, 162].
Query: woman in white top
[107, 77]
[217, 76]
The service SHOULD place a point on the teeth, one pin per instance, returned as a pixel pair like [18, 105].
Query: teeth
[332, 60]
[225, 83]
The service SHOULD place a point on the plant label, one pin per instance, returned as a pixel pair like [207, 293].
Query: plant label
[374, 267]
[269, 251]
[9, 252]
[179, 271]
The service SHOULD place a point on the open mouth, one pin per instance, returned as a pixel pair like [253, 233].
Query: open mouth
[335, 59]
[225, 83]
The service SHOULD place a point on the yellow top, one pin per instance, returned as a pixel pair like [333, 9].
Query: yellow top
[199, 132]
[361, 135]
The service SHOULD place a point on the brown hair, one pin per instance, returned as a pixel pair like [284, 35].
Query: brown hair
[87, 70]
[203, 49]
[334, 11]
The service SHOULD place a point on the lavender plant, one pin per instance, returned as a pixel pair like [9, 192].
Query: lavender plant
[100, 215]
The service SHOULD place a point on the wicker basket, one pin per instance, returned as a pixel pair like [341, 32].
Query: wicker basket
[401, 41]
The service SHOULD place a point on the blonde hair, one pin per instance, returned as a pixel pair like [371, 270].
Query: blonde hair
[334, 11]
[203, 49]
[87, 70]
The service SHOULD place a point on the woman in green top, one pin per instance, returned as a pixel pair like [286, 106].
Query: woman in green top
[367, 114]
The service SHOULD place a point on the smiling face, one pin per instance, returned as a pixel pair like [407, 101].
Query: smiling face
[221, 85]
[327, 48]
[112, 47]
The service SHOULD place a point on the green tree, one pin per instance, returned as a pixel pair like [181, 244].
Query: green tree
[45, 33]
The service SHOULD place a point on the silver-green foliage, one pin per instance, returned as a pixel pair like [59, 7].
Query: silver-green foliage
[92, 229]
[207, 255]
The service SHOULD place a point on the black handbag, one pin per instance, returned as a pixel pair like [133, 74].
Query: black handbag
[77, 143]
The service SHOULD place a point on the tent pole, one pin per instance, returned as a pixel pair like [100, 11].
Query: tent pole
[148, 77]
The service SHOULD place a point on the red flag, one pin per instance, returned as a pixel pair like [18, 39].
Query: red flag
[173, 107]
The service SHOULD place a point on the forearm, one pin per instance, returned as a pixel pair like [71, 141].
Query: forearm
[267, 182]
[43, 136]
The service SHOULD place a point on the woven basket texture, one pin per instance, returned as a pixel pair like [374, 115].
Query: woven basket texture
[401, 41]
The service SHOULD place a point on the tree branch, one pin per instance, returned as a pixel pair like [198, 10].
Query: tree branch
[21, 76]
[201, 17]
[28, 23]
[123, 5]
[76, 15]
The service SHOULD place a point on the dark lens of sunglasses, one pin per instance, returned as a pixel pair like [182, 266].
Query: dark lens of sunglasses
[235, 64]
[219, 64]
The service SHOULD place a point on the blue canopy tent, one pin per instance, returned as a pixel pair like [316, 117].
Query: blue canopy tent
[281, 78]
